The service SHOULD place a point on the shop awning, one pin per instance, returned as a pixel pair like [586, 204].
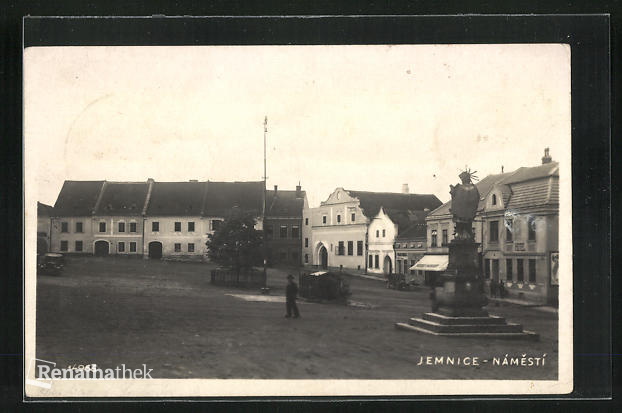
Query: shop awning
[432, 263]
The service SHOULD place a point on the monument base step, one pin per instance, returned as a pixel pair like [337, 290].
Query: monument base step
[478, 326]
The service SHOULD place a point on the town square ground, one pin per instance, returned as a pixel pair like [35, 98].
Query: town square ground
[113, 311]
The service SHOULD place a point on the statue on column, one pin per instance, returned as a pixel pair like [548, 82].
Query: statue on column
[464, 202]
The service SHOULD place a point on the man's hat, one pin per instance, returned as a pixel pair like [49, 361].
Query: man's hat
[290, 277]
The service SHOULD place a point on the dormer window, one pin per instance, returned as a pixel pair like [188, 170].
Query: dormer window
[494, 199]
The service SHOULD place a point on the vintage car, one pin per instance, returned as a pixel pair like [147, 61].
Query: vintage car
[50, 264]
[323, 285]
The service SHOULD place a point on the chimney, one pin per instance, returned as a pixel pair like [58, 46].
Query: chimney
[404, 188]
[194, 180]
[546, 158]
[501, 168]
[298, 191]
[276, 187]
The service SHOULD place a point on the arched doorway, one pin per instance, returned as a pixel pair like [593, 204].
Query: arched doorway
[155, 250]
[388, 265]
[323, 257]
[102, 248]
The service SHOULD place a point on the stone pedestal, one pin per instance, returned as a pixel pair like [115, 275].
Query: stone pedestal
[459, 290]
[458, 299]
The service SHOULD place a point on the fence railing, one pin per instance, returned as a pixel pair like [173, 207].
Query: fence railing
[247, 278]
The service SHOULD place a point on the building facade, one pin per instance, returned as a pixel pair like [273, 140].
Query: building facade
[410, 247]
[517, 227]
[170, 220]
[346, 230]
[283, 226]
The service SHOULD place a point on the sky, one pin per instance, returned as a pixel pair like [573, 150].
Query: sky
[359, 117]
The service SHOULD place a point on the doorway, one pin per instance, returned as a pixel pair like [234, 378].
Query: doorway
[388, 265]
[102, 248]
[323, 257]
[155, 250]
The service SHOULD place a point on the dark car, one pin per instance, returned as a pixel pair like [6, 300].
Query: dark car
[50, 264]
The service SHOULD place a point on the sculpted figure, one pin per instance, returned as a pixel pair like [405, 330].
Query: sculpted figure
[464, 201]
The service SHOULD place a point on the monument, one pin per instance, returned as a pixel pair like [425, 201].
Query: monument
[458, 297]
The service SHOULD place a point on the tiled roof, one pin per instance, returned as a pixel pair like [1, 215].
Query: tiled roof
[122, 198]
[284, 204]
[77, 198]
[370, 202]
[535, 192]
[176, 198]
[406, 219]
[222, 196]
[44, 210]
[524, 187]
[534, 172]
[414, 231]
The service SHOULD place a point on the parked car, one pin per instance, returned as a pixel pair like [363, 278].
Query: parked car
[50, 264]
[323, 285]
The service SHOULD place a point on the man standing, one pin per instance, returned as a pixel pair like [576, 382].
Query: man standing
[290, 297]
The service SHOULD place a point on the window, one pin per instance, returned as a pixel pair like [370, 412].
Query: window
[376, 261]
[79, 227]
[295, 231]
[64, 245]
[434, 238]
[78, 246]
[191, 247]
[306, 242]
[520, 276]
[216, 224]
[384, 233]
[323, 219]
[444, 240]
[283, 231]
[359, 248]
[306, 258]
[353, 217]
[102, 227]
[494, 199]
[509, 273]
[64, 227]
[191, 226]
[377, 234]
[306, 221]
[493, 236]
[132, 227]
[487, 268]
[177, 247]
[371, 261]
[509, 223]
[121, 247]
[155, 226]
[532, 271]
[531, 225]
[177, 226]
[132, 246]
[338, 218]
[350, 247]
[121, 226]
[340, 249]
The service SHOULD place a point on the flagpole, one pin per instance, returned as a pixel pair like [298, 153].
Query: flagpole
[265, 177]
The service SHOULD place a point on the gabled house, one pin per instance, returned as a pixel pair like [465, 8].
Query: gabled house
[357, 229]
